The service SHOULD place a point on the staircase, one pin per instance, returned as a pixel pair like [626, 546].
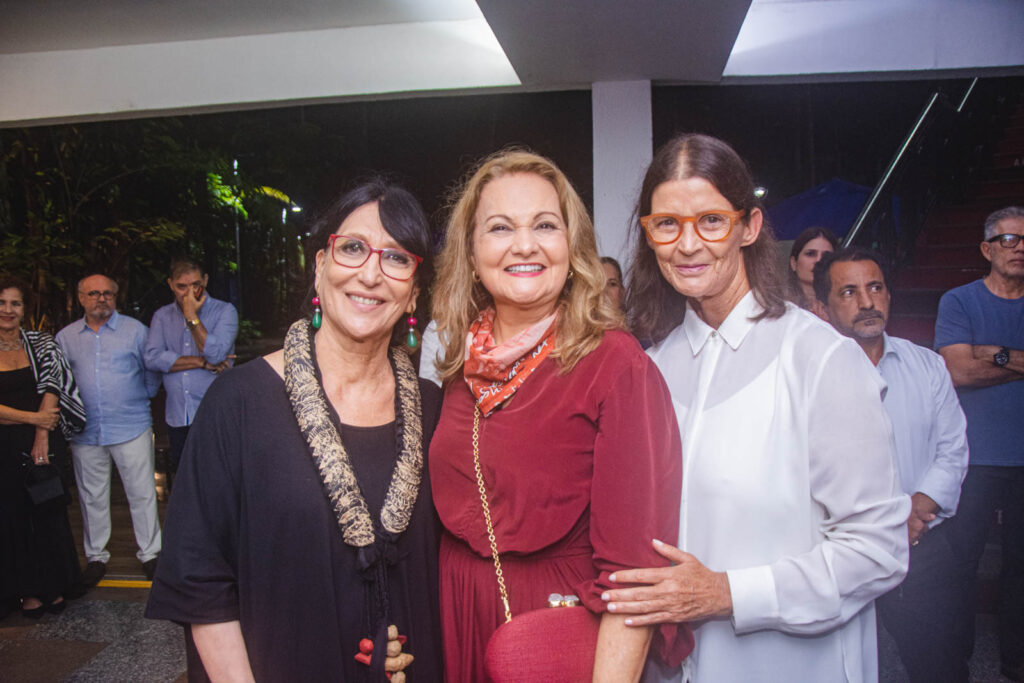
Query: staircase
[947, 254]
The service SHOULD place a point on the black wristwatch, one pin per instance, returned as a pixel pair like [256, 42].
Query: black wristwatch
[1001, 357]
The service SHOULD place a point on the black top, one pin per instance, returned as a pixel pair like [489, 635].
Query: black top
[250, 535]
[17, 390]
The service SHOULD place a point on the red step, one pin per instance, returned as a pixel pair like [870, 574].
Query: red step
[917, 277]
[956, 255]
[907, 301]
[919, 329]
[1010, 190]
[952, 235]
[1010, 159]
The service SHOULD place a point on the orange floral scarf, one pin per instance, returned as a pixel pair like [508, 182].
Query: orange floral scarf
[495, 371]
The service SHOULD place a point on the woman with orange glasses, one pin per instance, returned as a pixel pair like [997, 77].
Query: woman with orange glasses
[791, 520]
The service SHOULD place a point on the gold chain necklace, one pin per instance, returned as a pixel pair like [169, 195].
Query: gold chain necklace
[487, 512]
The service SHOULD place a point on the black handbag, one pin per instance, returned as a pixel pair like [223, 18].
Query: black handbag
[42, 482]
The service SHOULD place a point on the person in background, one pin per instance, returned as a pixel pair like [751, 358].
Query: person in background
[980, 334]
[105, 351]
[430, 353]
[301, 527]
[808, 248]
[931, 456]
[578, 453]
[792, 521]
[190, 342]
[38, 562]
[613, 286]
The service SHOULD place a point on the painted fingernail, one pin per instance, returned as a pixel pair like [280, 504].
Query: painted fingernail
[611, 606]
[611, 577]
[605, 597]
[629, 622]
[657, 542]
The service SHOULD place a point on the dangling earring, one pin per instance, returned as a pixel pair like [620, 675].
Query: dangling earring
[412, 337]
[318, 318]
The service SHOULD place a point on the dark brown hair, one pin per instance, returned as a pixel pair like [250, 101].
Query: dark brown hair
[8, 281]
[823, 268]
[655, 307]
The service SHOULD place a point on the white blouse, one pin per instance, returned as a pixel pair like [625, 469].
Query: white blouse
[789, 485]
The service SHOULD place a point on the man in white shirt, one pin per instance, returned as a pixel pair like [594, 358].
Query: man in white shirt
[931, 455]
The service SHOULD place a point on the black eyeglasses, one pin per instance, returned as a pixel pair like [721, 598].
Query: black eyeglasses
[351, 252]
[1007, 240]
[97, 294]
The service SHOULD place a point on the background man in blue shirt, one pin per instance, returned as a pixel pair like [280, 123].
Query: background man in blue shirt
[105, 350]
[980, 334]
[190, 341]
[929, 429]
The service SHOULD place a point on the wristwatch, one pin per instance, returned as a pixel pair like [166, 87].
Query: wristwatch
[1001, 357]
[192, 324]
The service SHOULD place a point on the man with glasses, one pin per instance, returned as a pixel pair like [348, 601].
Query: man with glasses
[980, 334]
[105, 351]
[191, 341]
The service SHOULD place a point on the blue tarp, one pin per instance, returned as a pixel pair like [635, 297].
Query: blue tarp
[834, 205]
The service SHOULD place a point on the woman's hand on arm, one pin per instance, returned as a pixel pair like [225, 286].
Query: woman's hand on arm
[222, 649]
[45, 417]
[686, 591]
[621, 650]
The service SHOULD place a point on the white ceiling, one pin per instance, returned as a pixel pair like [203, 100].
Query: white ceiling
[64, 60]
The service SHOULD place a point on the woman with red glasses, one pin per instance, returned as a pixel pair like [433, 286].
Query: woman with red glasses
[792, 520]
[301, 528]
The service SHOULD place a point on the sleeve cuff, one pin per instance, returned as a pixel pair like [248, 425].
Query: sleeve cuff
[754, 601]
[946, 498]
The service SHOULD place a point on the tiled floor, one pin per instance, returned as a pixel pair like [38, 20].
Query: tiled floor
[101, 637]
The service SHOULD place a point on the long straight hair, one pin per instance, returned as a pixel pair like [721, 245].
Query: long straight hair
[655, 307]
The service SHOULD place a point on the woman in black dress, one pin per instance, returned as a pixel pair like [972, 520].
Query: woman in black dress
[301, 525]
[38, 563]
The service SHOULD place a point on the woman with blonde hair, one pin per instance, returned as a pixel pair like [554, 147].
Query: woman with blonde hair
[557, 458]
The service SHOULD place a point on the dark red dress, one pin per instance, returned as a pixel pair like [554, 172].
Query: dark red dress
[582, 471]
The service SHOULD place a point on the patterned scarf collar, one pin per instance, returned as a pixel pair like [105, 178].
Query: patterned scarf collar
[494, 372]
[309, 403]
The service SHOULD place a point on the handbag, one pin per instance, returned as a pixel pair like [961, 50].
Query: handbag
[42, 482]
[523, 648]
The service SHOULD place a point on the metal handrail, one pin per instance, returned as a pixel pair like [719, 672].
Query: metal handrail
[880, 187]
[883, 183]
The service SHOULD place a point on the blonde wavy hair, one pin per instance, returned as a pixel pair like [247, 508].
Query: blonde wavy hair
[458, 297]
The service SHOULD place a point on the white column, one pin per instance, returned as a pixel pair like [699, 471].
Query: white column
[622, 151]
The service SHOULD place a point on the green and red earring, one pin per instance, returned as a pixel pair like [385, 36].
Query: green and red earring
[318, 317]
[412, 337]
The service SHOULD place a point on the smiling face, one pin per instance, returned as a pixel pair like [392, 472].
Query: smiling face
[98, 296]
[12, 309]
[362, 304]
[858, 301]
[803, 263]
[710, 274]
[521, 245]
[1006, 263]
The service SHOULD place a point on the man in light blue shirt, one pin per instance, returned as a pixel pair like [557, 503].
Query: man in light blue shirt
[190, 341]
[105, 351]
[931, 456]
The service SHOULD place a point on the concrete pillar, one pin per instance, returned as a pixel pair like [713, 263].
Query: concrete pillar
[622, 151]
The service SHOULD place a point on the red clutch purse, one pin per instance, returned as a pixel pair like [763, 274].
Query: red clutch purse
[523, 650]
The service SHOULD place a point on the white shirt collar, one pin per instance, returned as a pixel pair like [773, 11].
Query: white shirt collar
[733, 329]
